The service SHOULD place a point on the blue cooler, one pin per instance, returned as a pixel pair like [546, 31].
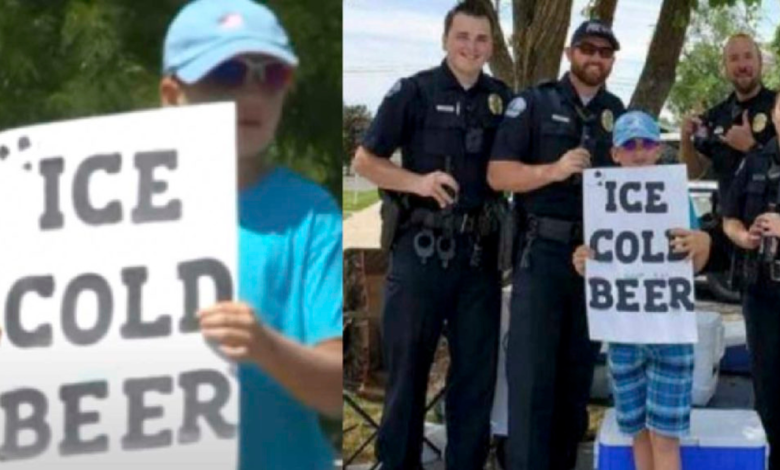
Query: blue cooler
[719, 440]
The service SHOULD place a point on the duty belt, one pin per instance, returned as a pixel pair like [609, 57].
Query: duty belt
[458, 222]
[563, 231]
[437, 230]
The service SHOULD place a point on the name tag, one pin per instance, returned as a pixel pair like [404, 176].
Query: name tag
[445, 108]
[559, 118]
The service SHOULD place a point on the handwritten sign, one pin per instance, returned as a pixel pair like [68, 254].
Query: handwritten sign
[114, 232]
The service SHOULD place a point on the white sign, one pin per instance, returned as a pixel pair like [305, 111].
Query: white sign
[115, 231]
[637, 290]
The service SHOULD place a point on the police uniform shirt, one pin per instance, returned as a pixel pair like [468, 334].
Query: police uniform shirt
[752, 189]
[430, 117]
[719, 120]
[542, 124]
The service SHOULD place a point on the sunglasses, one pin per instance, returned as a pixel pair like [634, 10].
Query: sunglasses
[272, 75]
[640, 143]
[591, 49]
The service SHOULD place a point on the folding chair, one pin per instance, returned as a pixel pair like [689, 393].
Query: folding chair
[367, 263]
[350, 401]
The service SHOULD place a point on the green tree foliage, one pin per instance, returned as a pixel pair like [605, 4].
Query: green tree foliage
[700, 82]
[772, 74]
[62, 59]
[356, 120]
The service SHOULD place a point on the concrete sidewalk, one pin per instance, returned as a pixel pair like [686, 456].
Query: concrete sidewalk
[363, 228]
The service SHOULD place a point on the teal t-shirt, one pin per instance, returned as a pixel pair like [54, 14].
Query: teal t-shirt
[290, 272]
[695, 224]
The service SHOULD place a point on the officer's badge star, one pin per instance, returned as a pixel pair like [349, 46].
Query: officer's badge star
[607, 120]
[516, 107]
[759, 122]
[495, 104]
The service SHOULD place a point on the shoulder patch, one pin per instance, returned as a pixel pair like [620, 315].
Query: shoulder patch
[395, 89]
[516, 107]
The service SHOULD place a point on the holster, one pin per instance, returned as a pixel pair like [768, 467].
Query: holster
[391, 212]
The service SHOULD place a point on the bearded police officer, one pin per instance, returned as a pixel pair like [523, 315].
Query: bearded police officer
[734, 126]
[441, 227]
[752, 222]
[722, 135]
[550, 134]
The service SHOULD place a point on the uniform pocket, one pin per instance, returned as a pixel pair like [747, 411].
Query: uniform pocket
[443, 134]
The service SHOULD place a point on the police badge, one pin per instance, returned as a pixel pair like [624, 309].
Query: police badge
[495, 104]
[759, 122]
[607, 120]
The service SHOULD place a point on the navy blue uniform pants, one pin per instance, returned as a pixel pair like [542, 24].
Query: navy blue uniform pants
[550, 360]
[761, 307]
[419, 298]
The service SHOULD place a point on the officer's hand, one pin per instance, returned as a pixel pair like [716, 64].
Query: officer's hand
[750, 239]
[740, 137]
[690, 123]
[235, 328]
[434, 184]
[693, 242]
[572, 162]
[581, 254]
[769, 224]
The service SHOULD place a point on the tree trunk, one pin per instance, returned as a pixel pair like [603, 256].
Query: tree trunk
[501, 63]
[539, 35]
[604, 10]
[660, 68]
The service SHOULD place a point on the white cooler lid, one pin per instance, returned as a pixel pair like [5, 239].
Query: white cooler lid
[709, 428]
[711, 319]
[734, 332]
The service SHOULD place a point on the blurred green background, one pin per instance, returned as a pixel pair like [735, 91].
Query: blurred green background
[61, 59]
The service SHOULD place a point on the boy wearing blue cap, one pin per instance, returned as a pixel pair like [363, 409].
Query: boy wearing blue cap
[651, 383]
[285, 328]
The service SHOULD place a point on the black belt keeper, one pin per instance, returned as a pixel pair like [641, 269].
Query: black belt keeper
[562, 231]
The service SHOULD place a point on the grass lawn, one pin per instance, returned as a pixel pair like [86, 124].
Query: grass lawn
[357, 200]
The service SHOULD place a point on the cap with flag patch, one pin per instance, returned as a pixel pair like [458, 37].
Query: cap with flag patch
[635, 125]
[206, 33]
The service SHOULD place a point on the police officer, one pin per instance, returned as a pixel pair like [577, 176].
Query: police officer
[752, 222]
[550, 134]
[443, 254]
[724, 133]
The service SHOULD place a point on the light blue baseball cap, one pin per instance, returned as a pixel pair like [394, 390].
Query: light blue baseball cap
[206, 33]
[635, 125]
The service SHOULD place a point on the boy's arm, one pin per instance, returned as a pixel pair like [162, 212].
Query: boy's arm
[696, 243]
[312, 374]
[310, 369]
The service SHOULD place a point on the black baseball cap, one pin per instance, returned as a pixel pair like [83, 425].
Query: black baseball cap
[595, 28]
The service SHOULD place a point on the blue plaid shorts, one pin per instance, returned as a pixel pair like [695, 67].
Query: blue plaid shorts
[652, 386]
